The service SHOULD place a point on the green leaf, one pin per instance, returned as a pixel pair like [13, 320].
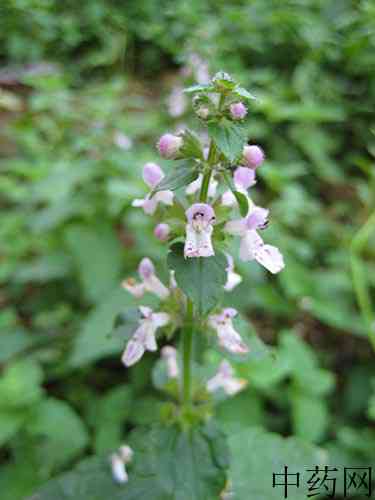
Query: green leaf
[202, 278]
[108, 416]
[20, 385]
[168, 465]
[310, 416]
[244, 94]
[93, 341]
[199, 88]
[98, 256]
[60, 431]
[10, 423]
[257, 454]
[223, 81]
[229, 138]
[192, 147]
[180, 176]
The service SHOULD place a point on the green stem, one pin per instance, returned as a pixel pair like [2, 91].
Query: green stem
[205, 185]
[187, 340]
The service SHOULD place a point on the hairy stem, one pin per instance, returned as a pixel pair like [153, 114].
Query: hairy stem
[187, 340]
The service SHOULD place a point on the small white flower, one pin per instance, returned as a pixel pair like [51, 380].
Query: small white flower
[225, 379]
[199, 230]
[152, 176]
[252, 246]
[195, 186]
[169, 354]
[143, 338]
[150, 282]
[177, 102]
[118, 461]
[228, 337]
[233, 278]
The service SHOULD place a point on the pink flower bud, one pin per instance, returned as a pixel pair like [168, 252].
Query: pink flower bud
[169, 145]
[253, 156]
[152, 174]
[146, 268]
[238, 111]
[244, 177]
[162, 231]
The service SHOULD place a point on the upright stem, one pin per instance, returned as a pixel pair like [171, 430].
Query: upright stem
[205, 186]
[187, 341]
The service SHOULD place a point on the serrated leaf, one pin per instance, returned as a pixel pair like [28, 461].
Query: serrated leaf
[229, 138]
[257, 455]
[192, 148]
[168, 465]
[199, 88]
[244, 94]
[180, 176]
[201, 278]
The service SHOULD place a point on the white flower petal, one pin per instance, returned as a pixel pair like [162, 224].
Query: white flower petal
[154, 285]
[133, 352]
[250, 242]
[165, 197]
[198, 243]
[236, 227]
[269, 257]
[133, 287]
[160, 319]
[118, 469]
[228, 199]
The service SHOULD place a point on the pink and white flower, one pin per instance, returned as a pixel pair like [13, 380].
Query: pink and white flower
[162, 231]
[253, 156]
[238, 110]
[143, 338]
[233, 278]
[118, 461]
[152, 176]
[199, 228]
[225, 379]
[228, 337]
[169, 354]
[195, 186]
[252, 246]
[150, 282]
[243, 179]
[169, 145]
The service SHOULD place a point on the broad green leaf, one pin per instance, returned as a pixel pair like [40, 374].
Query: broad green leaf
[240, 412]
[60, 431]
[20, 385]
[10, 423]
[98, 257]
[257, 455]
[14, 341]
[202, 279]
[229, 138]
[93, 341]
[223, 81]
[179, 176]
[168, 465]
[310, 415]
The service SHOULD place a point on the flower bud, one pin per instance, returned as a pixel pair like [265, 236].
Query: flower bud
[238, 111]
[203, 112]
[169, 145]
[152, 174]
[244, 177]
[162, 231]
[146, 268]
[253, 156]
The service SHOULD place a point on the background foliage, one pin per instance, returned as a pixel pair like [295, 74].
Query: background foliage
[72, 81]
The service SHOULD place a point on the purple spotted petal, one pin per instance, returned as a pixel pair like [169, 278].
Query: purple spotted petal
[257, 219]
[203, 209]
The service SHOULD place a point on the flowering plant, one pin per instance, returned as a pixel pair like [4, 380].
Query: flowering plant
[201, 204]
